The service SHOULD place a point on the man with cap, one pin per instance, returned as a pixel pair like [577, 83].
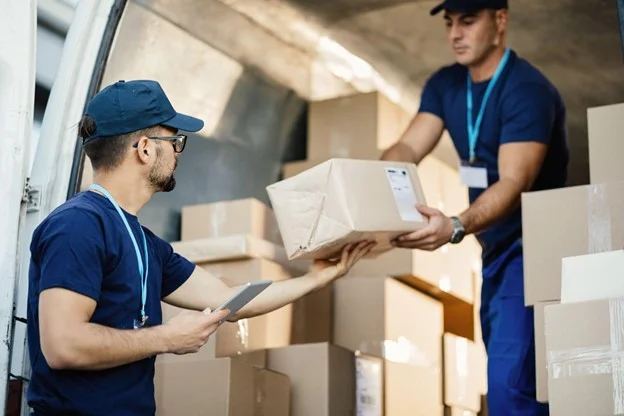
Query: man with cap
[97, 277]
[507, 122]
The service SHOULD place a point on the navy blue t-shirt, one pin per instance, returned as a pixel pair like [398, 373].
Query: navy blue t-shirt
[84, 246]
[523, 106]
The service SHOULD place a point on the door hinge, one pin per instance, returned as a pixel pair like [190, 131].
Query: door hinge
[31, 197]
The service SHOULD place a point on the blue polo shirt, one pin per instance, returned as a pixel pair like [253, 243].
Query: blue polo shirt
[83, 246]
[523, 106]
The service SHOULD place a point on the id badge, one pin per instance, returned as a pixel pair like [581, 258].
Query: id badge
[473, 176]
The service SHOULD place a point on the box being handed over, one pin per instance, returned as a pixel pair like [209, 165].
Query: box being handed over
[345, 200]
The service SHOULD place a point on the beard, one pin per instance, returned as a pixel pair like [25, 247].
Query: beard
[159, 181]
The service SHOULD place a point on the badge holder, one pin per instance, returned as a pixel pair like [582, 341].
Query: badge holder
[473, 174]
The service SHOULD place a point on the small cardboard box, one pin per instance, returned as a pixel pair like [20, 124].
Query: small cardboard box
[584, 343]
[220, 387]
[592, 276]
[357, 126]
[541, 365]
[345, 200]
[226, 218]
[563, 223]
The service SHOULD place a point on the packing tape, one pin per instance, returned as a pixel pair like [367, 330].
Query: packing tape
[596, 360]
[218, 217]
[599, 219]
[400, 351]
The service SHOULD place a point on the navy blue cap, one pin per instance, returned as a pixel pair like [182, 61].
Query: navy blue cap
[469, 6]
[125, 107]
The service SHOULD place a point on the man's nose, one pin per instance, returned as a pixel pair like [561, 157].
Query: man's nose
[455, 31]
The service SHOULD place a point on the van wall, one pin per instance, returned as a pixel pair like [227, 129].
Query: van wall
[252, 123]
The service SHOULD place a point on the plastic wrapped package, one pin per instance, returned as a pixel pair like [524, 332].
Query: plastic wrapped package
[585, 354]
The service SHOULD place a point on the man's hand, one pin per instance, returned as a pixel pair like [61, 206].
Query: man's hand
[188, 331]
[329, 270]
[436, 234]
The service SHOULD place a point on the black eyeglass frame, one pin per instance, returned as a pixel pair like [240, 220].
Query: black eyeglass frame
[178, 141]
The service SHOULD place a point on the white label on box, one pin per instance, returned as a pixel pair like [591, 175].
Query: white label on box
[368, 387]
[404, 194]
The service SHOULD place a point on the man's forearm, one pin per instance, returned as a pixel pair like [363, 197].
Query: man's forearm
[283, 292]
[400, 152]
[494, 204]
[96, 347]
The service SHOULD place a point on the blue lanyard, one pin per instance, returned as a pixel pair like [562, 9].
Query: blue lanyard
[473, 130]
[143, 270]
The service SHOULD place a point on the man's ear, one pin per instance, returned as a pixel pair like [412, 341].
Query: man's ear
[144, 151]
[502, 18]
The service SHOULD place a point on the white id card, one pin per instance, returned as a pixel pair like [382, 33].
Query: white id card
[473, 176]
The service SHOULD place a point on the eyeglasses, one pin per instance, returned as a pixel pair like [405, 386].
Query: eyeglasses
[178, 141]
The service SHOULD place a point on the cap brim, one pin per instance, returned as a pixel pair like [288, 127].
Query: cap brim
[449, 7]
[184, 123]
[437, 9]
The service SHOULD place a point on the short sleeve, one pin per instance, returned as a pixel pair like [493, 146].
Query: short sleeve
[528, 114]
[176, 268]
[431, 97]
[71, 254]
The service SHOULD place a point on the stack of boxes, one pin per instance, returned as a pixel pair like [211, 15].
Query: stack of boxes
[573, 239]
[399, 335]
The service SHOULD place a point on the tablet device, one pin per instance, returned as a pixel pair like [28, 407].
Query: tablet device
[245, 294]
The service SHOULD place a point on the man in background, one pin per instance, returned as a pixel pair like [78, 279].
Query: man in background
[507, 122]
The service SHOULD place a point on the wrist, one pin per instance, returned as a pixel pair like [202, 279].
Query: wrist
[459, 230]
[165, 339]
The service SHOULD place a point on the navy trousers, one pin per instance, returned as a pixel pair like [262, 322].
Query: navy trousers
[507, 327]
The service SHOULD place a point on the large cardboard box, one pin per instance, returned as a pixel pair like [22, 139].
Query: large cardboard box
[379, 316]
[592, 276]
[541, 364]
[604, 125]
[226, 218]
[220, 387]
[357, 126]
[461, 385]
[345, 200]
[323, 379]
[584, 341]
[567, 222]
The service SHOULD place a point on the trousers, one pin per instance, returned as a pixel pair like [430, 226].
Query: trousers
[508, 334]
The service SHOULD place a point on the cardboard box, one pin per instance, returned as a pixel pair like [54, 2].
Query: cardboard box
[358, 126]
[461, 388]
[604, 125]
[541, 364]
[446, 273]
[238, 247]
[584, 344]
[322, 378]
[220, 387]
[342, 201]
[226, 218]
[567, 222]
[378, 316]
[592, 276]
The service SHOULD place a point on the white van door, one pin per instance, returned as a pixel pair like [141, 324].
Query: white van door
[17, 83]
[58, 157]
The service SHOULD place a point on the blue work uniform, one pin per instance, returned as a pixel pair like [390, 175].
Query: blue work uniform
[522, 106]
[84, 246]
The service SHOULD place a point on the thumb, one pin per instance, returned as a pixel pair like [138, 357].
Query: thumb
[427, 211]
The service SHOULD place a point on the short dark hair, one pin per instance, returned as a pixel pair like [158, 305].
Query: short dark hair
[107, 153]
